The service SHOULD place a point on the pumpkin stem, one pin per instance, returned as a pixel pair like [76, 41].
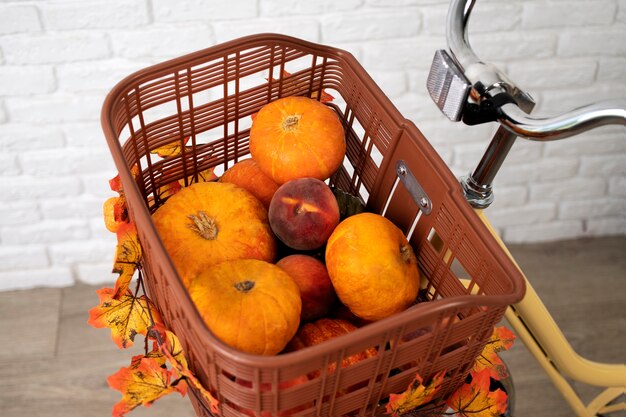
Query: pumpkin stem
[406, 253]
[291, 122]
[244, 286]
[204, 225]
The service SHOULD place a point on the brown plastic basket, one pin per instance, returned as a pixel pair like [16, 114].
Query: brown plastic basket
[209, 97]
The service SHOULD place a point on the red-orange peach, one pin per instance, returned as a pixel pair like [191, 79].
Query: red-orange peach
[316, 290]
[303, 213]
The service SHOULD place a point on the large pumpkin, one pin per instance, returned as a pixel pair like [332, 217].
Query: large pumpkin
[372, 266]
[251, 305]
[210, 222]
[296, 137]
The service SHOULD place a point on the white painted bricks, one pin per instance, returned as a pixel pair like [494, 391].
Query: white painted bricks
[58, 59]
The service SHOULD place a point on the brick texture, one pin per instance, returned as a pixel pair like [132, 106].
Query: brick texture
[58, 60]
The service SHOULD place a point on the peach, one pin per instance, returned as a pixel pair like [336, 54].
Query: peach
[316, 290]
[247, 174]
[303, 213]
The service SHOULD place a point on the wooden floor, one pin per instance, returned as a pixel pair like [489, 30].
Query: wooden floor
[53, 364]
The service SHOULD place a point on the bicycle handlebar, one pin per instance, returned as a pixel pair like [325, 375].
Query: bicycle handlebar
[569, 124]
[460, 74]
[487, 80]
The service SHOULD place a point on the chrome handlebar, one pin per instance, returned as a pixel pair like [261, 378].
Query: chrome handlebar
[464, 87]
[486, 81]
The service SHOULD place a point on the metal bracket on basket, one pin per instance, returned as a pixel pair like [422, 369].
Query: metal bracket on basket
[413, 187]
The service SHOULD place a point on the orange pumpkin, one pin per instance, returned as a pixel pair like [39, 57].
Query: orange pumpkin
[372, 266]
[251, 305]
[210, 222]
[247, 174]
[296, 137]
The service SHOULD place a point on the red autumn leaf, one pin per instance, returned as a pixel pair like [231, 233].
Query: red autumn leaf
[116, 184]
[126, 317]
[417, 394]
[474, 399]
[142, 383]
[501, 339]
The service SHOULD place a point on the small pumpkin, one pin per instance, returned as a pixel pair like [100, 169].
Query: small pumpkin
[251, 305]
[372, 266]
[296, 137]
[247, 174]
[210, 222]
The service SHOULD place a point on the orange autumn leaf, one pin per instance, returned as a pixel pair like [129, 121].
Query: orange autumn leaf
[170, 189]
[115, 213]
[474, 399]
[207, 175]
[168, 342]
[171, 149]
[325, 98]
[417, 394]
[126, 317]
[142, 383]
[172, 349]
[501, 339]
[202, 176]
[128, 249]
[115, 183]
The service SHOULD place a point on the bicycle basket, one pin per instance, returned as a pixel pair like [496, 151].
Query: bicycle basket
[207, 98]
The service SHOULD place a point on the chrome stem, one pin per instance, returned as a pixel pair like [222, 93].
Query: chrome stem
[477, 186]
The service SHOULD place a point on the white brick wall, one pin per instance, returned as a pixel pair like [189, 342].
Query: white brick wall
[58, 59]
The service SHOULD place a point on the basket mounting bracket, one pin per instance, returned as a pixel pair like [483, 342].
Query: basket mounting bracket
[413, 187]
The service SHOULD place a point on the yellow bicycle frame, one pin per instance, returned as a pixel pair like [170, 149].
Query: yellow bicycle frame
[534, 325]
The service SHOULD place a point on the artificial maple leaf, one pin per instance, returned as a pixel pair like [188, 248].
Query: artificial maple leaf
[127, 256]
[207, 175]
[169, 189]
[474, 399]
[171, 149]
[165, 340]
[115, 213]
[142, 383]
[126, 317]
[115, 183]
[202, 176]
[416, 395]
[325, 97]
[172, 349]
[501, 339]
